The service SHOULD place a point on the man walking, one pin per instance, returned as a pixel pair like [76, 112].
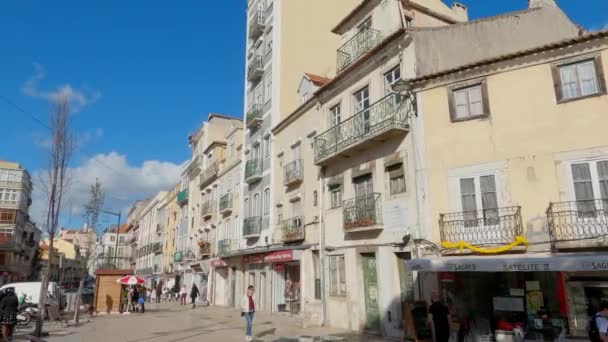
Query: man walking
[248, 311]
[598, 327]
[439, 316]
[193, 294]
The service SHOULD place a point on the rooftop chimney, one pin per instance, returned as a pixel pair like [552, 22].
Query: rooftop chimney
[541, 3]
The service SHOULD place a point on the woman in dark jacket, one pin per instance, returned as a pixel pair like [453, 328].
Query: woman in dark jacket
[193, 294]
[9, 306]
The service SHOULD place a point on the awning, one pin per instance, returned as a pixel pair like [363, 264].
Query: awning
[545, 262]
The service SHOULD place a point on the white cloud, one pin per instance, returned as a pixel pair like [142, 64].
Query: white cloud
[78, 99]
[123, 183]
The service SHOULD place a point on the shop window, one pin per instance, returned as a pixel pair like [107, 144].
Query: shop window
[337, 276]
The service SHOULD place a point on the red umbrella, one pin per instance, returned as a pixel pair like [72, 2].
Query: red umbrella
[131, 280]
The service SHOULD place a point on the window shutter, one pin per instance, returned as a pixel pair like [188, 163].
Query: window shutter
[487, 185]
[460, 104]
[475, 101]
[602, 172]
[587, 77]
[568, 82]
[467, 192]
[342, 271]
[581, 175]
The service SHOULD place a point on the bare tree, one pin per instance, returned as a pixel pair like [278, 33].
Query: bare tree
[91, 216]
[55, 183]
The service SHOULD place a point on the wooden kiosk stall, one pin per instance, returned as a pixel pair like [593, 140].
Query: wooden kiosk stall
[108, 290]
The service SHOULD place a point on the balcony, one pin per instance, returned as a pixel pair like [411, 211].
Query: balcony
[157, 247]
[9, 239]
[385, 118]
[207, 209]
[255, 69]
[356, 47]
[578, 224]
[178, 256]
[254, 115]
[226, 246]
[293, 173]
[293, 229]
[209, 175]
[488, 227]
[256, 24]
[252, 227]
[182, 197]
[253, 170]
[363, 213]
[226, 204]
[204, 248]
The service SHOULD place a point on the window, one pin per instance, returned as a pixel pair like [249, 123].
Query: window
[335, 115]
[268, 91]
[9, 195]
[361, 101]
[335, 195]
[305, 96]
[580, 79]
[258, 94]
[231, 146]
[337, 276]
[112, 238]
[269, 46]
[266, 201]
[121, 239]
[315, 198]
[256, 205]
[468, 102]
[267, 146]
[390, 78]
[255, 155]
[365, 25]
[590, 182]
[317, 269]
[295, 152]
[479, 192]
[396, 178]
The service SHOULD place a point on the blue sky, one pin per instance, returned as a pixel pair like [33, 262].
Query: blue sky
[143, 75]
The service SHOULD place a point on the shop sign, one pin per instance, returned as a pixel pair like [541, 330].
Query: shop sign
[595, 266]
[218, 263]
[253, 259]
[462, 267]
[279, 256]
[526, 267]
[279, 267]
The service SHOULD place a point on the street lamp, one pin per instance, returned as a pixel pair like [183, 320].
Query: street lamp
[118, 214]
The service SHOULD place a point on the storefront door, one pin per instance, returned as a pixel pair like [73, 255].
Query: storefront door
[262, 291]
[233, 287]
[370, 281]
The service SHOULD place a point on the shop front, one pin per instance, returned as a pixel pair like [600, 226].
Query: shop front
[539, 297]
[223, 289]
[200, 278]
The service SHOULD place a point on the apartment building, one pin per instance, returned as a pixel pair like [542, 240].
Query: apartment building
[227, 232]
[19, 237]
[86, 240]
[113, 248]
[149, 241]
[133, 231]
[281, 44]
[516, 165]
[169, 219]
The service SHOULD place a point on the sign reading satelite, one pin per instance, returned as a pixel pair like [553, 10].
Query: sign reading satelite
[521, 263]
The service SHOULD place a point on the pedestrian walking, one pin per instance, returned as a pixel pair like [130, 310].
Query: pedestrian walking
[598, 326]
[9, 306]
[142, 300]
[134, 299]
[193, 294]
[149, 295]
[439, 317]
[248, 311]
[159, 292]
[183, 293]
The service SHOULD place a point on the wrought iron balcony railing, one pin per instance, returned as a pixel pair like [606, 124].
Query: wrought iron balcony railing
[157, 247]
[256, 25]
[254, 115]
[226, 203]
[293, 229]
[293, 172]
[385, 115]
[226, 246]
[209, 175]
[253, 170]
[252, 227]
[578, 220]
[207, 209]
[356, 47]
[255, 69]
[488, 227]
[363, 212]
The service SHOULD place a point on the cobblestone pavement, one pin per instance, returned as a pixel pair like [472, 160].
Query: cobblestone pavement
[171, 322]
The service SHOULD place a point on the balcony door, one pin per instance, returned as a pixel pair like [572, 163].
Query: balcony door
[479, 193]
[361, 104]
[590, 187]
[364, 197]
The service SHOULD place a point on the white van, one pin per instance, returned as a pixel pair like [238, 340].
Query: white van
[32, 292]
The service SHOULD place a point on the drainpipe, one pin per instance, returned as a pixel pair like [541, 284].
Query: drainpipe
[322, 243]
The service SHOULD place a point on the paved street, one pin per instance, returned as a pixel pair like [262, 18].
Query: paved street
[171, 322]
